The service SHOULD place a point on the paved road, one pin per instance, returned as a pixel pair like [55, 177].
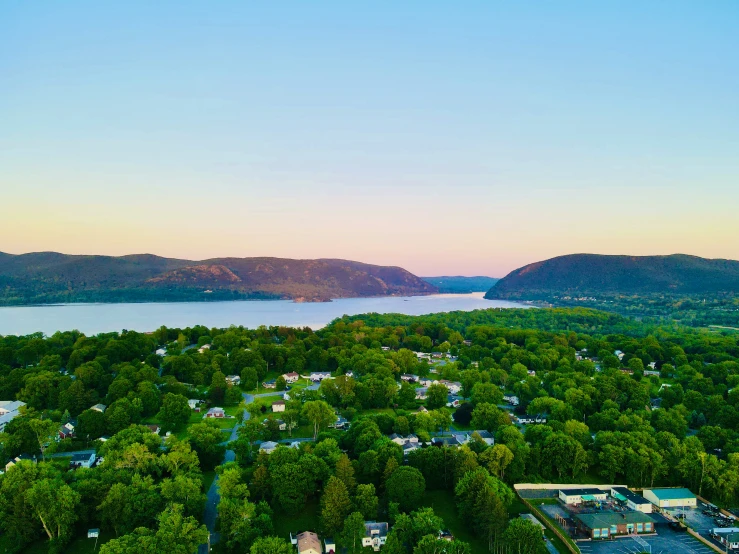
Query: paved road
[212, 496]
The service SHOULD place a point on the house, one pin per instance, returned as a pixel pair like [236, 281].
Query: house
[426, 382]
[375, 534]
[154, 429]
[466, 436]
[270, 384]
[670, 498]
[467, 342]
[330, 545]
[340, 423]
[445, 441]
[67, 431]
[511, 399]
[401, 440]
[161, 351]
[203, 348]
[421, 393]
[307, 543]
[619, 354]
[578, 496]
[19, 459]
[83, 460]
[291, 377]
[99, 408]
[194, 404]
[602, 525]
[385, 348]
[215, 412]
[316, 376]
[268, 447]
[631, 500]
[531, 373]
[409, 377]
[421, 410]
[278, 406]
[453, 386]
[727, 536]
[349, 374]
[446, 535]
[233, 380]
[452, 401]
[649, 372]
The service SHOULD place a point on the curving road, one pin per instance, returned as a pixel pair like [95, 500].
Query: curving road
[212, 496]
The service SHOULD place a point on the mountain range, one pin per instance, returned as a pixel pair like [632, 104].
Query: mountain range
[592, 274]
[51, 277]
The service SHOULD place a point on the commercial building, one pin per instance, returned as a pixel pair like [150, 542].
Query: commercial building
[670, 498]
[631, 500]
[727, 536]
[578, 496]
[603, 525]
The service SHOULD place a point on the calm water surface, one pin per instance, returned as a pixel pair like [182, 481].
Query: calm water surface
[100, 318]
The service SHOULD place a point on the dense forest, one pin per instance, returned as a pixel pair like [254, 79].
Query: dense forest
[51, 277]
[624, 401]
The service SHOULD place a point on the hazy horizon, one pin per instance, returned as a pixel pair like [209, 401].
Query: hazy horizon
[454, 139]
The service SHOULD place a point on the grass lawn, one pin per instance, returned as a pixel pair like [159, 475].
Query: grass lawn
[300, 432]
[208, 477]
[306, 520]
[442, 502]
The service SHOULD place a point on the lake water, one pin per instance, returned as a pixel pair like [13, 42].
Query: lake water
[101, 318]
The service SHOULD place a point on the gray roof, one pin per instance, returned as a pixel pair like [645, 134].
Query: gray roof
[380, 528]
[628, 495]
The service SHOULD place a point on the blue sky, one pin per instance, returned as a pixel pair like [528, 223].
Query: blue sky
[468, 137]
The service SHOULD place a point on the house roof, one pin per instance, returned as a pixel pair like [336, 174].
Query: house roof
[606, 519]
[308, 540]
[379, 528]
[82, 457]
[11, 405]
[628, 495]
[278, 403]
[671, 494]
[581, 492]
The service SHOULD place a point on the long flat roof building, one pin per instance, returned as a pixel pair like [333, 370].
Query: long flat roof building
[670, 498]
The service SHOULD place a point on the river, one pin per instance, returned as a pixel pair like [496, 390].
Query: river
[101, 318]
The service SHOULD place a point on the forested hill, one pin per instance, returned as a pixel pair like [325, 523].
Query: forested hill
[580, 275]
[50, 277]
[461, 285]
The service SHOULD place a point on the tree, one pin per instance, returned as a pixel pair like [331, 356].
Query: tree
[280, 383]
[353, 532]
[489, 417]
[175, 410]
[335, 506]
[249, 378]
[407, 396]
[46, 432]
[524, 537]
[206, 438]
[185, 491]
[271, 545]
[55, 504]
[217, 390]
[406, 486]
[442, 419]
[487, 393]
[319, 414]
[366, 501]
[436, 396]
[496, 459]
[345, 472]
[432, 545]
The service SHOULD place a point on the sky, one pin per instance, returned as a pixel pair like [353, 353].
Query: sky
[464, 138]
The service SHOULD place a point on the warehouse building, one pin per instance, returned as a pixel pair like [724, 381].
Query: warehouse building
[670, 498]
[578, 496]
[603, 525]
[631, 500]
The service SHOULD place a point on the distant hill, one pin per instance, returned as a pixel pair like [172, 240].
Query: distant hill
[461, 285]
[590, 274]
[50, 277]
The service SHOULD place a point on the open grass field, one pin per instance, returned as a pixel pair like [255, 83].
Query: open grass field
[306, 520]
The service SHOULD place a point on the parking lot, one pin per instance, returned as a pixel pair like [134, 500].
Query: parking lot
[666, 541]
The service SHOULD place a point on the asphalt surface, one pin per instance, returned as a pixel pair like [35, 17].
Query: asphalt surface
[212, 496]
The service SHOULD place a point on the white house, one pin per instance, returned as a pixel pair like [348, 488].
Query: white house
[9, 410]
[316, 376]
[426, 382]
[161, 351]
[291, 377]
[83, 460]
[233, 380]
[99, 408]
[453, 386]
[512, 399]
[215, 412]
[194, 404]
[278, 406]
[421, 393]
[409, 377]
[401, 440]
[578, 496]
[466, 436]
[631, 500]
[670, 498]
[268, 447]
[375, 534]
[204, 348]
